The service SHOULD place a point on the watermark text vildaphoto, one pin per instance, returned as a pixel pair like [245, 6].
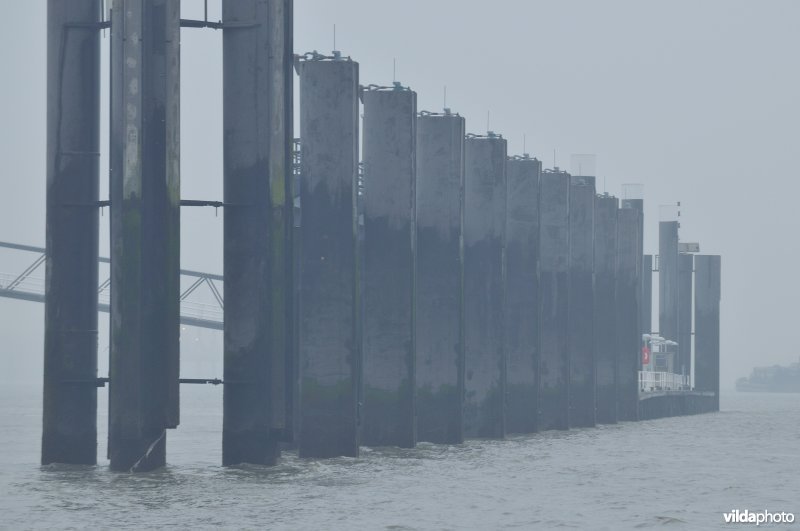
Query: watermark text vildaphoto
[737, 516]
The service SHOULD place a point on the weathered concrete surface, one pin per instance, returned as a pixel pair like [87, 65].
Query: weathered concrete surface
[638, 205]
[522, 293]
[605, 307]
[484, 283]
[707, 295]
[145, 231]
[580, 336]
[553, 300]
[330, 349]
[647, 294]
[628, 313]
[257, 98]
[440, 278]
[389, 266]
[286, 404]
[685, 274]
[668, 279]
[69, 427]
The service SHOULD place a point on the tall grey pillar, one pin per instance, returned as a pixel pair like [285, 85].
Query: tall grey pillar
[605, 304]
[554, 373]
[484, 278]
[628, 312]
[285, 262]
[647, 294]
[69, 427]
[440, 278]
[637, 203]
[580, 336]
[330, 349]
[145, 230]
[390, 117]
[685, 273]
[668, 279]
[257, 100]
[522, 293]
[707, 297]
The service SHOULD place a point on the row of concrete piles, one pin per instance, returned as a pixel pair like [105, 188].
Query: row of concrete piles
[439, 290]
[461, 292]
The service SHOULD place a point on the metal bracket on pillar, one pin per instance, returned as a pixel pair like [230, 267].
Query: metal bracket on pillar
[490, 134]
[89, 25]
[430, 113]
[316, 56]
[360, 184]
[102, 381]
[200, 203]
[370, 88]
[184, 202]
[200, 24]
[186, 23]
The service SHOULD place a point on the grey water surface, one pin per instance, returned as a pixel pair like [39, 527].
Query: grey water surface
[676, 473]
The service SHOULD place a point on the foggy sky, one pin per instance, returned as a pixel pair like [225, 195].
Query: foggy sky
[698, 101]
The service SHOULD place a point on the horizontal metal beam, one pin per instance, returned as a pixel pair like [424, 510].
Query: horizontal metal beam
[105, 24]
[101, 382]
[21, 295]
[200, 202]
[184, 202]
[187, 23]
[20, 247]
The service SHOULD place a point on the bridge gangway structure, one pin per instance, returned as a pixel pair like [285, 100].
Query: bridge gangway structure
[29, 285]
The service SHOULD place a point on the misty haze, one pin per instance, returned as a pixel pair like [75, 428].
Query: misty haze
[437, 264]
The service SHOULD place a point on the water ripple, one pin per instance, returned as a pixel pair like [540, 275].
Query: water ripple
[680, 473]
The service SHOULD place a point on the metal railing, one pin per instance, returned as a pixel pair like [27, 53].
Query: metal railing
[663, 381]
[27, 284]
